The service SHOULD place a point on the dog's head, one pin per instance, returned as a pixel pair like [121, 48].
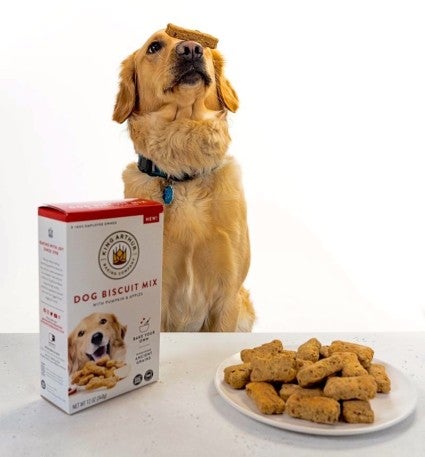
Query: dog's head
[168, 70]
[96, 335]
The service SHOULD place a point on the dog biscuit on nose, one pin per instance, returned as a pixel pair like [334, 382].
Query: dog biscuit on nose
[207, 41]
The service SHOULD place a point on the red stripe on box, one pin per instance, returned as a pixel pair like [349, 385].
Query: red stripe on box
[86, 211]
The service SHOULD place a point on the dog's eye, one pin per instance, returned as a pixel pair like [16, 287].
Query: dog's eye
[81, 333]
[103, 321]
[154, 47]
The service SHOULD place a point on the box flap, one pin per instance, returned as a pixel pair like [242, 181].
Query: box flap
[86, 211]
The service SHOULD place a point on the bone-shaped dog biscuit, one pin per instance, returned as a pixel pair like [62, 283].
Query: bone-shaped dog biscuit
[279, 367]
[237, 376]
[265, 350]
[320, 370]
[351, 388]
[265, 397]
[310, 350]
[314, 408]
[382, 380]
[357, 412]
[364, 353]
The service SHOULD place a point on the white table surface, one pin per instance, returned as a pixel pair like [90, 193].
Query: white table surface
[182, 414]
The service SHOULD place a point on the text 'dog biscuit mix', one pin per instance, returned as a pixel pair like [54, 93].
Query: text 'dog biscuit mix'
[100, 267]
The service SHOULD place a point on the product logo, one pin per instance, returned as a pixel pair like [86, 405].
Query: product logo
[118, 255]
[137, 379]
[148, 375]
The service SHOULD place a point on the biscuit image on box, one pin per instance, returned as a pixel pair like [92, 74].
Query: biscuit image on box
[102, 373]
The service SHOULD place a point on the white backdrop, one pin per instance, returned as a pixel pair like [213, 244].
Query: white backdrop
[330, 137]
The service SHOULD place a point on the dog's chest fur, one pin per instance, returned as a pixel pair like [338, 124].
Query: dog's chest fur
[198, 227]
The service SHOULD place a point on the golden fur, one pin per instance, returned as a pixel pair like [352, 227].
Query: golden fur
[182, 128]
[83, 342]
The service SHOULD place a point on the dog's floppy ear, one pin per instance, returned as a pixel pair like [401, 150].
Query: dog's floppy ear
[120, 329]
[123, 331]
[226, 94]
[127, 94]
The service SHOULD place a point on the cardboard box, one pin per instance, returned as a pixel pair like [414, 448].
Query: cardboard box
[100, 266]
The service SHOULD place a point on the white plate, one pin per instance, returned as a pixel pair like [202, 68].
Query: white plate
[389, 408]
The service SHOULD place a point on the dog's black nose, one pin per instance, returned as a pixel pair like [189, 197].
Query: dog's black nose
[97, 338]
[189, 50]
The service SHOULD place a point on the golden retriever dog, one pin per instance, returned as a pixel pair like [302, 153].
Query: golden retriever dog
[96, 335]
[175, 97]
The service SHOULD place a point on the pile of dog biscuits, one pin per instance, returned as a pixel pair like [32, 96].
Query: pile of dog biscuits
[323, 384]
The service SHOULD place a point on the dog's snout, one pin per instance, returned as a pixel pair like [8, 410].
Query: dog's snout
[97, 338]
[189, 50]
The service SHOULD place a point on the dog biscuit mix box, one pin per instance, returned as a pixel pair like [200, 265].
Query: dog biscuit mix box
[100, 266]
